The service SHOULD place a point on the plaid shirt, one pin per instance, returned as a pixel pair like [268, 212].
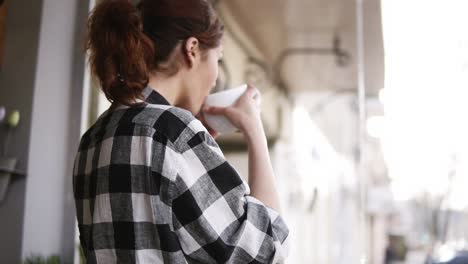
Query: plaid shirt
[152, 186]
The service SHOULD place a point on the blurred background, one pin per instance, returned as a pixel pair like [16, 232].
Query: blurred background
[363, 105]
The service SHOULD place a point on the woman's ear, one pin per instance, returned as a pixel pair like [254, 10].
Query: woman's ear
[192, 51]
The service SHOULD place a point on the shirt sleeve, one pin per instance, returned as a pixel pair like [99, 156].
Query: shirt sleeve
[215, 219]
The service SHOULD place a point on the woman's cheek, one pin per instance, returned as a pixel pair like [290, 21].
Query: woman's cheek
[215, 72]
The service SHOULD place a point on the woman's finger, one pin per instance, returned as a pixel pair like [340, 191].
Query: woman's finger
[213, 133]
[214, 110]
[202, 119]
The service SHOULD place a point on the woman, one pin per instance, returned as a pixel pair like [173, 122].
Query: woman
[151, 185]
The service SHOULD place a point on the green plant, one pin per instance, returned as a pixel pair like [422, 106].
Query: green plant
[35, 259]
[11, 122]
[82, 256]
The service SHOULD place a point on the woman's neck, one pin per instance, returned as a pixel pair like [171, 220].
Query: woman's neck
[171, 88]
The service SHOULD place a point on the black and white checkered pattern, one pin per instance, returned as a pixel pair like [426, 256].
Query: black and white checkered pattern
[152, 186]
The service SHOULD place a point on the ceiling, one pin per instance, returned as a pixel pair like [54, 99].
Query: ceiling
[275, 25]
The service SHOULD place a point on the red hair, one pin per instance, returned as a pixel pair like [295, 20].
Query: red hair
[127, 43]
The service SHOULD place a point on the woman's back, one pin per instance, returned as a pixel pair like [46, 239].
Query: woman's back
[119, 190]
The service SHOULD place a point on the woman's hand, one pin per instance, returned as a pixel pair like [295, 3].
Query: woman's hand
[212, 132]
[244, 113]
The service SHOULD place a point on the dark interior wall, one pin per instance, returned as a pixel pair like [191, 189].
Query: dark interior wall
[42, 77]
[17, 78]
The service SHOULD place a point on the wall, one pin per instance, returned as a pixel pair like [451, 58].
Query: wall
[49, 207]
[17, 78]
[43, 78]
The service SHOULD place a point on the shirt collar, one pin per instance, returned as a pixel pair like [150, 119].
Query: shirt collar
[153, 97]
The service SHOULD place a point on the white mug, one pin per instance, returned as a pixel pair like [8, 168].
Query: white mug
[223, 99]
